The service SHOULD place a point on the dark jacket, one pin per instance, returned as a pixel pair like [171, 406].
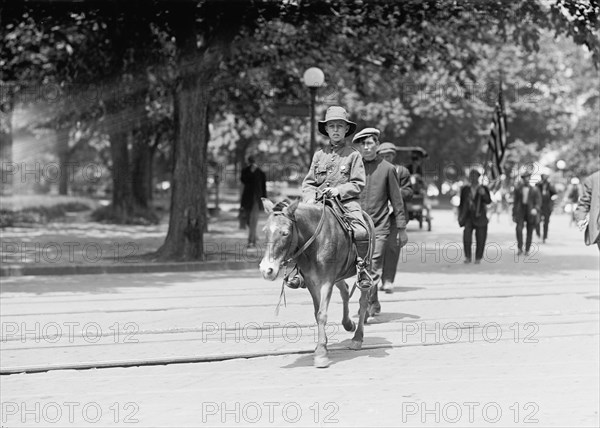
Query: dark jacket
[589, 203]
[255, 187]
[546, 190]
[522, 212]
[473, 209]
[382, 187]
[404, 181]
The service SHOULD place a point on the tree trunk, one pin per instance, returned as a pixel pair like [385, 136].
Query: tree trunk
[62, 143]
[150, 174]
[188, 185]
[197, 68]
[122, 204]
[142, 173]
[7, 167]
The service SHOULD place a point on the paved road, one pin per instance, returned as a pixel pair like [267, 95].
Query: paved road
[511, 342]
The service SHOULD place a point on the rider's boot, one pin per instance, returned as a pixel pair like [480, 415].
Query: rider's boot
[363, 279]
[297, 281]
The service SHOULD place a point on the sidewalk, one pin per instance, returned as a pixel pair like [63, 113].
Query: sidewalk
[90, 248]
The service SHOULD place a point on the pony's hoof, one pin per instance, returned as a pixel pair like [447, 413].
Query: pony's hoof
[356, 345]
[350, 326]
[322, 362]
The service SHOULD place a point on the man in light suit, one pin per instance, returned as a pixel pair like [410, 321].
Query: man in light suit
[527, 203]
[588, 209]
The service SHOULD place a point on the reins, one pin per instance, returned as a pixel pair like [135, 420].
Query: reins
[299, 252]
[307, 243]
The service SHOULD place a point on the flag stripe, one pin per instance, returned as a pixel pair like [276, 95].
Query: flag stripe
[497, 137]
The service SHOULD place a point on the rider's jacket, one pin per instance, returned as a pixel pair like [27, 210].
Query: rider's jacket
[338, 166]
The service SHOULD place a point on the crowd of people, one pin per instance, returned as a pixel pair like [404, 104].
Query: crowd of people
[362, 176]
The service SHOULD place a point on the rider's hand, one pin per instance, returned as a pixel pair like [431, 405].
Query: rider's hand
[402, 237]
[331, 192]
[581, 224]
[533, 211]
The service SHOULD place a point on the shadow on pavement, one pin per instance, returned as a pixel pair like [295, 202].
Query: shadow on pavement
[384, 317]
[341, 352]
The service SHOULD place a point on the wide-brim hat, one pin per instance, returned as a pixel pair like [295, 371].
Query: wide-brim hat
[336, 113]
[386, 148]
[364, 133]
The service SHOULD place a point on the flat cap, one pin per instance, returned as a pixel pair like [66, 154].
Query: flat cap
[386, 148]
[363, 133]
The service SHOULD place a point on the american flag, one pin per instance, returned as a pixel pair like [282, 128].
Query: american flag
[497, 138]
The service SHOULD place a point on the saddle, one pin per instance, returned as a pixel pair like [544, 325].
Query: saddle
[362, 234]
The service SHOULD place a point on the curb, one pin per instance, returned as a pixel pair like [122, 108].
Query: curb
[20, 270]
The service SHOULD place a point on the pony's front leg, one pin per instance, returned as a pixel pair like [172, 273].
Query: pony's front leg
[357, 340]
[321, 298]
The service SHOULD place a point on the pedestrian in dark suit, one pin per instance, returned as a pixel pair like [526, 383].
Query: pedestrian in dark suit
[588, 209]
[547, 191]
[392, 252]
[255, 188]
[527, 203]
[472, 215]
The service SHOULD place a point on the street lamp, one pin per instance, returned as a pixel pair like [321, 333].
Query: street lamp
[314, 79]
[561, 165]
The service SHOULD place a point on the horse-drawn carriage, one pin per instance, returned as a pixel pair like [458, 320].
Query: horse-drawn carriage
[419, 207]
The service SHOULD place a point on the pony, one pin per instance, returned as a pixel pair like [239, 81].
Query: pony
[325, 257]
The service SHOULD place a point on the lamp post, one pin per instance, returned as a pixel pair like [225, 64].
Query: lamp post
[313, 78]
[561, 165]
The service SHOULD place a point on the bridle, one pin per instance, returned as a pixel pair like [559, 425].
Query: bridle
[290, 258]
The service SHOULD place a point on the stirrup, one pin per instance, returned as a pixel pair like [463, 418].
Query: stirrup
[295, 282]
[364, 280]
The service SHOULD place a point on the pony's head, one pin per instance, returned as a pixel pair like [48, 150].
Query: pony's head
[279, 234]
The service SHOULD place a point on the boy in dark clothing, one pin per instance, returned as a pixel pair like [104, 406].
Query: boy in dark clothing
[381, 187]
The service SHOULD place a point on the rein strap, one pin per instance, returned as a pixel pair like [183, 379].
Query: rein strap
[310, 241]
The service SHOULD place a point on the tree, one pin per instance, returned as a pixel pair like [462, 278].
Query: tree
[358, 39]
